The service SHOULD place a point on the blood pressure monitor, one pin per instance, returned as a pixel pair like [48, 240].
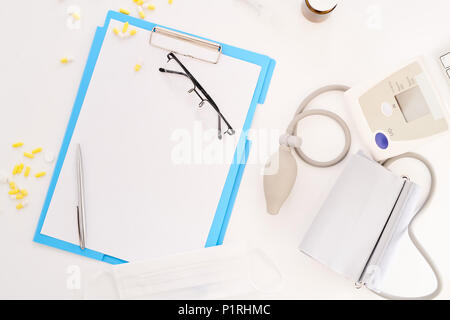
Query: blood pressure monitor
[400, 112]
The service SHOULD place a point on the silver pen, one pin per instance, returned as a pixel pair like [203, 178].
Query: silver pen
[81, 214]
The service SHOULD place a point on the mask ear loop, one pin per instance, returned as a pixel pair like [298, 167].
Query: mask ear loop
[265, 258]
[411, 234]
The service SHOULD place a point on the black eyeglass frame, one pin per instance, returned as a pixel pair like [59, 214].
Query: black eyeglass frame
[207, 97]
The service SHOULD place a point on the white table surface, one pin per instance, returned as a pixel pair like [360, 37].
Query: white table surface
[360, 39]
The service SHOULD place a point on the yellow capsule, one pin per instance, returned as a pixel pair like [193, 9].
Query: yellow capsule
[124, 11]
[151, 7]
[76, 15]
[116, 31]
[19, 206]
[27, 171]
[24, 192]
[20, 168]
[19, 196]
[37, 150]
[125, 27]
[17, 144]
[135, 1]
[137, 67]
[65, 60]
[28, 155]
[12, 185]
[170, 1]
[133, 32]
[16, 167]
[14, 191]
[139, 2]
[40, 174]
[141, 14]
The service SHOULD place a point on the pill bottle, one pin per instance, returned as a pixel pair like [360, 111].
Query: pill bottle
[318, 10]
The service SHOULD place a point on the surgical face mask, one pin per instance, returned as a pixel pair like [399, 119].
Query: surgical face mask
[221, 272]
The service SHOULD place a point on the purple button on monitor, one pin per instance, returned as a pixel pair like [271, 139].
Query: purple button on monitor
[381, 140]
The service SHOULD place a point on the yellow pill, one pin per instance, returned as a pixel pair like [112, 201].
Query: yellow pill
[65, 60]
[16, 167]
[137, 67]
[28, 155]
[141, 14]
[17, 144]
[40, 174]
[140, 2]
[170, 1]
[20, 206]
[24, 192]
[133, 32]
[76, 16]
[37, 150]
[124, 11]
[151, 7]
[14, 191]
[125, 27]
[135, 1]
[20, 168]
[19, 196]
[27, 171]
[116, 31]
[12, 185]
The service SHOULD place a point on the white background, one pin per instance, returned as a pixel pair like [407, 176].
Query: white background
[361, 39]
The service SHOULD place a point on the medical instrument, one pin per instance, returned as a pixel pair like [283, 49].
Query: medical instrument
[81, 213]
[318, 10]
[280, 171]
[361, 222]
[400, 112]
[394, 116]
[206, 98]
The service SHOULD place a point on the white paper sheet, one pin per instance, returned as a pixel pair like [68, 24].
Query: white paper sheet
[152, 181]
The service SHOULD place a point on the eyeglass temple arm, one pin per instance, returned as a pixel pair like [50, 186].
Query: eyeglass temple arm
[173, 72]
[199, 86]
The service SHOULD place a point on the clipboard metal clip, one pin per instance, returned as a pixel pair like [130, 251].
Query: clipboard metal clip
[213, 50]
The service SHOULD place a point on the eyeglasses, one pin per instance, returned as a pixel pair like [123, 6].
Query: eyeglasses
[205, 98]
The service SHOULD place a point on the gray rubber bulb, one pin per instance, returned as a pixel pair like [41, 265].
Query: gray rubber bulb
[280, 173]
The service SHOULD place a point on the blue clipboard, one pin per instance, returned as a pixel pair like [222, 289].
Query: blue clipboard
[234, 177]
